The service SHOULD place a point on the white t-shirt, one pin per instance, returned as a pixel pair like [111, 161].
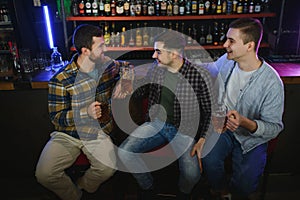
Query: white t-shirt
[235, 86]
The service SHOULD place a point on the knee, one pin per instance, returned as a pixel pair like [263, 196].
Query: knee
[210, 163]
[44, 176]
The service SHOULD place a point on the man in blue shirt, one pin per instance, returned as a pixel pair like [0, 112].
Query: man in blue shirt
[254, 95]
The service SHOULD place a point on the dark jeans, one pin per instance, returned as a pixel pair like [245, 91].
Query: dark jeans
[246, 168]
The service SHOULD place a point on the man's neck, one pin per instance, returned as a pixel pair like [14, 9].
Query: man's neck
[85, 64]
[250, 63]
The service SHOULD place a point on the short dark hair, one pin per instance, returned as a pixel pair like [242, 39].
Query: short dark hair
[171, 40]
[83, 36]
[251, 29]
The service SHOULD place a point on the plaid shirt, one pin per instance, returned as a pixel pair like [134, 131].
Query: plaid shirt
[72, 91]
[192, 103]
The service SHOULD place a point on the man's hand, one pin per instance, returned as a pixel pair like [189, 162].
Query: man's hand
[94, 110]
[197, 149]
[234, 120]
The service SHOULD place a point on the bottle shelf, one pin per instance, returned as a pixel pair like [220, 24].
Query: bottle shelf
[178, 17]
[207, 47]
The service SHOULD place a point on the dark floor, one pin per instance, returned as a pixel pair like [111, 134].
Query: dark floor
[280, 186]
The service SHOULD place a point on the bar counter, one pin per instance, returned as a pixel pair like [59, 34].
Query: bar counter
[289, 73]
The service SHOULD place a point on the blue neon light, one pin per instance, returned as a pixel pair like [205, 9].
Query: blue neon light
[48, 24]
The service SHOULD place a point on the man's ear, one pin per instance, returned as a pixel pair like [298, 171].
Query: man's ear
[85, 51]
[251, 46]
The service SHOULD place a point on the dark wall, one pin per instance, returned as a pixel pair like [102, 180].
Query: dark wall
[25, 128]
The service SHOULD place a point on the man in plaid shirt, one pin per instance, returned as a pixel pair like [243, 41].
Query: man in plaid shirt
[179, 106]
[79, 106]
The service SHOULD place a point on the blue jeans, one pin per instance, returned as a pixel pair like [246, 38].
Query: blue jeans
[154, 134]
[247, 168]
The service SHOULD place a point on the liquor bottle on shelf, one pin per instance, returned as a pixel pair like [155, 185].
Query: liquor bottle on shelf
[239, 7]
[209, 37]
[234, 6]
[107, 7]
[131, 41]
[123, 37]
[106, 35]
[224, 6]
[120, 8]
[145, 35]
[127, 7]
[194, 35]
[219, 7]
[202, 38]
[216, 37]
[113, 8]
[95, 8]
[245, 7]
[151, 9]
[56, 59]
[257, 7]
[189, 37]
[157, 7]
[175, 8]
[222, 34]
[145, 7]
[229, 7]
[138, 8]
[88, 8]
[201, 7]
[74, 8]
[169, 8]
[112, 35]
[194, 7]
[188, 7]
[81, 9]
[138, 36]
[251, 6]
[132, 8]
[163, 7]
[207, 5]
[117, 39]
[213, 6]
[101, 8]
[181, 7]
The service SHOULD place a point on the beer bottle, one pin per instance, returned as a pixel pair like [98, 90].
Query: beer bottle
[216, 37]
[189, 38]
[234, 6]
[224, 6]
